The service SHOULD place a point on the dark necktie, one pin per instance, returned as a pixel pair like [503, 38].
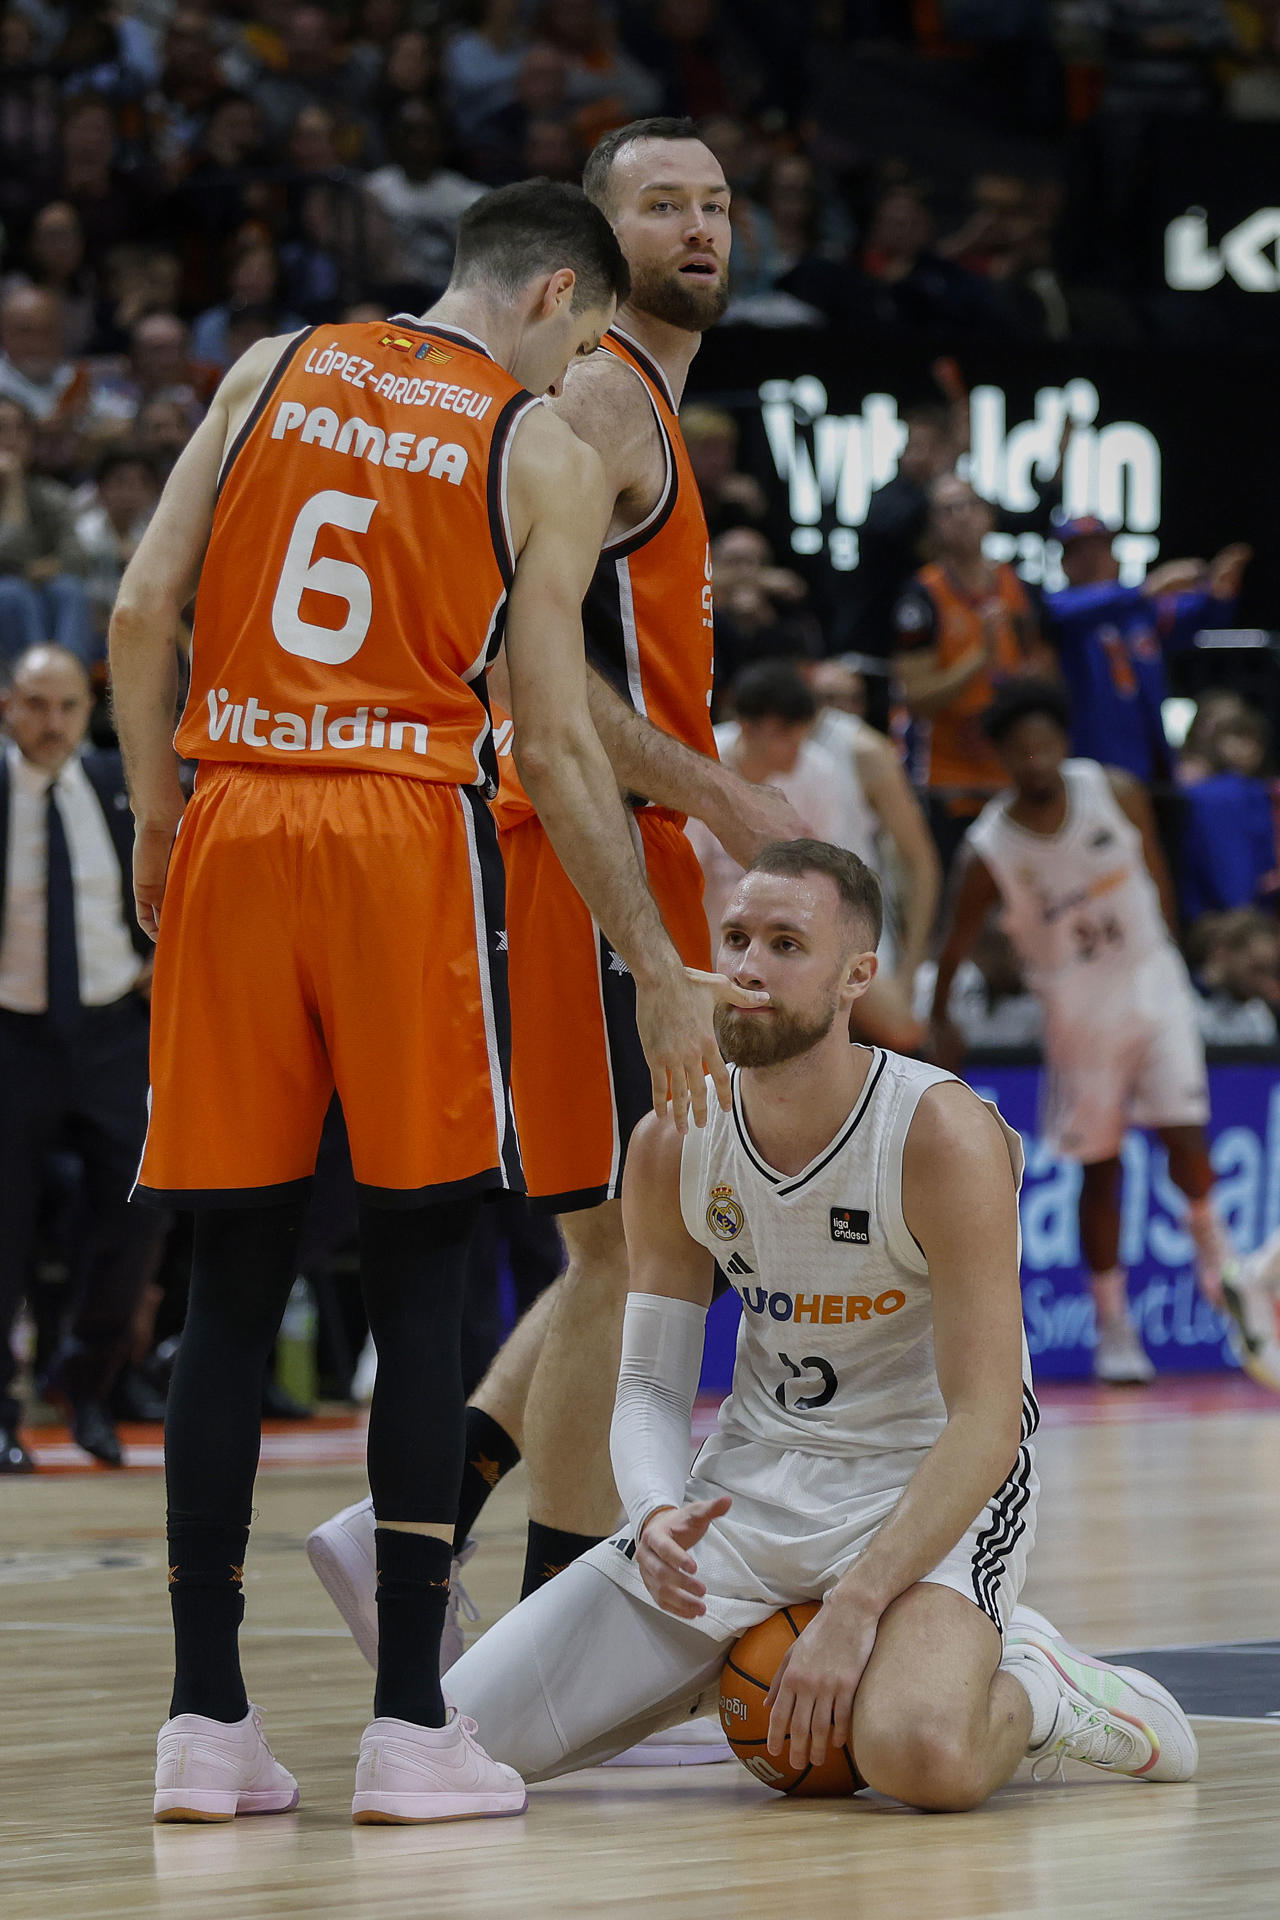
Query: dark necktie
[61, 957]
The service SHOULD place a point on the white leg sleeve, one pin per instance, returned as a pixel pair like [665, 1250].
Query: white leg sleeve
[578, 1672]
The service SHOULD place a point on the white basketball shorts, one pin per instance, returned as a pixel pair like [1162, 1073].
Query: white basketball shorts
[1133, 1059]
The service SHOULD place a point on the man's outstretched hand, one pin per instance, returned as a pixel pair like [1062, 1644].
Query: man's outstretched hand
[665, 1559]
[677, 1032]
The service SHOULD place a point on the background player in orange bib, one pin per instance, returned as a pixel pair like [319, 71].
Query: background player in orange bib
[367, 509]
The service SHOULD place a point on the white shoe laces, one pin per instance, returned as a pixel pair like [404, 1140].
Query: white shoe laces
[460, 1602]
[1092, 1736]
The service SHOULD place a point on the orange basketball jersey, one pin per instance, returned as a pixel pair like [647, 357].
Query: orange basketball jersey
[373, 460]
[647, 617]
[958, 751]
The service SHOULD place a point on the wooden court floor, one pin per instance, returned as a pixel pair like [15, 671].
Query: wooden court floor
[1159, 1525]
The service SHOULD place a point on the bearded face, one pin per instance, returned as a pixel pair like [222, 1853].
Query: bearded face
[692, 301]
[770, 1036]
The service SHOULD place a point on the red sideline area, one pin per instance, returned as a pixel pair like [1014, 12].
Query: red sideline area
[337, 1439]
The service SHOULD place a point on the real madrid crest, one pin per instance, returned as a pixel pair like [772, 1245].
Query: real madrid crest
[724, 1216]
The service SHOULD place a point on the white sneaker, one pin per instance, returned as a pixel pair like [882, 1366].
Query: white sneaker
[344, 1555]
[1120, 1359]
[1115, 1718]
[1255, 1335]
[694, 1743]
[407, 1774]
[209, 1770]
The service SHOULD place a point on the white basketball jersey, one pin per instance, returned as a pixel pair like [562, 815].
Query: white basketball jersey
[835, 1348]
[1079, 905]
[810, 786]
[840, 733]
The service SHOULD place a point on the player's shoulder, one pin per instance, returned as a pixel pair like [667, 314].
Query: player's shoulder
[654, 1153]
[547, 450]
[256, 363]
[604, 400]
[651, 1184]
[952, 1128]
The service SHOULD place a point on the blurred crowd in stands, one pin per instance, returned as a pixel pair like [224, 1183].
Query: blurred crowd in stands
[180, 179]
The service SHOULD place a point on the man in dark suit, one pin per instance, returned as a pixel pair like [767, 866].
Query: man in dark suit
[74, 971]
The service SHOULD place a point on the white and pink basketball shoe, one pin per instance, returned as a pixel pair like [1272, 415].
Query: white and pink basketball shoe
[210, 1770]
[407, 1774]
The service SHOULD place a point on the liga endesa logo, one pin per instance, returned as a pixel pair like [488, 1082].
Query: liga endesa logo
[831, 464]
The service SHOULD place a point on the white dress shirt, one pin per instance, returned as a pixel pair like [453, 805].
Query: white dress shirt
[109, 963]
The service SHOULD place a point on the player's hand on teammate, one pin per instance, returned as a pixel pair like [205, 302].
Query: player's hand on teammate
[152, 847]
[758, 817]
[677, 1033]
[663, 1555]
[810, 1702]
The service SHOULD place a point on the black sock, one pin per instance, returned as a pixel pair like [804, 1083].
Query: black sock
[206, 1566]
[242, 1268]
[491, 1453]
[549, 1551]
[413, 1592]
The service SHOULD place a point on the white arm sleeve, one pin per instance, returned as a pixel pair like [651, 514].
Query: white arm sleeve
[650, 1442]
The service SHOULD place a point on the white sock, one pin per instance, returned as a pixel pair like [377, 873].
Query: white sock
[1042, 1690]
[1110, 1295]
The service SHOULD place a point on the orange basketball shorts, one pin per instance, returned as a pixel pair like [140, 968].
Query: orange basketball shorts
[322, 931]
[579, 1077]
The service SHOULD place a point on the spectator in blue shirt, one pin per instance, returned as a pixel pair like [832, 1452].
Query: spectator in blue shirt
[1113, 641]
[1228, 856]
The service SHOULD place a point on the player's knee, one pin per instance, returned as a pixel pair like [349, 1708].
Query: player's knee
[597, 1257]
[923, 1763]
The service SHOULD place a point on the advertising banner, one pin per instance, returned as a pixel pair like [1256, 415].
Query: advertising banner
[1157, 447]
[1182, 1333]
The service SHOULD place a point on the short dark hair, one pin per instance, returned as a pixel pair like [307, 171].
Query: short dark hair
[1019, 699]
[538, 226]
[857, 885]
[598, 171]
[773, 690]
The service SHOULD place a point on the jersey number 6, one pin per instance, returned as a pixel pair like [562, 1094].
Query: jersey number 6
[341, 579]
[811, 1364]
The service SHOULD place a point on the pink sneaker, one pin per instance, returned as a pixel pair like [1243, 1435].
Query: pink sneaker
[407, 1774]
[212, 1770]
[343, 1556]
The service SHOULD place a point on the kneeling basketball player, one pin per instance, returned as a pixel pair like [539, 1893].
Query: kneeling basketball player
[875, 1453]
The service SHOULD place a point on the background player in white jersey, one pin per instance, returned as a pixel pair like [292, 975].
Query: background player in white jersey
[847, 786]
[875, 1451]
[1072, 855]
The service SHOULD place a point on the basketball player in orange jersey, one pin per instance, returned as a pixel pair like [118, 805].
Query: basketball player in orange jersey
[578, 1077]
[366, 509]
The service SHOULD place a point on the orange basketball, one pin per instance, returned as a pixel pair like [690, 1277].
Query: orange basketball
[747, 1677]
